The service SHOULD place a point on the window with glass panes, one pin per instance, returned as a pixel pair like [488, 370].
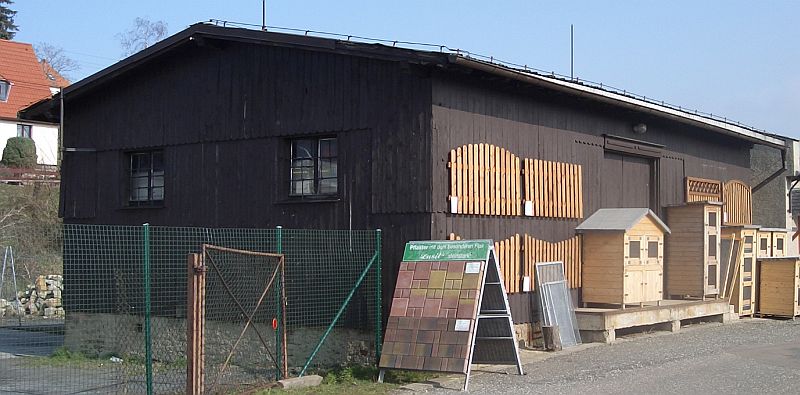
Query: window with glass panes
[146, 178]
[24, 131]
[313, 169]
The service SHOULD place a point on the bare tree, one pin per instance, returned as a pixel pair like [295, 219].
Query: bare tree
[143, 34]
[54, 57]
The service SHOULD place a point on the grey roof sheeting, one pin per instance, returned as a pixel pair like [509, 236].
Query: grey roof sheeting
[619, 219]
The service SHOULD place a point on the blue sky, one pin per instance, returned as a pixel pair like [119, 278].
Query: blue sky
[737, 59]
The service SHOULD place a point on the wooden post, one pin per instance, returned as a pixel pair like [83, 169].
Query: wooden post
[551, 337]
[195, 325]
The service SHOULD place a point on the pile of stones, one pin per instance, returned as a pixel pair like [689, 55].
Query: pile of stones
[40, 299]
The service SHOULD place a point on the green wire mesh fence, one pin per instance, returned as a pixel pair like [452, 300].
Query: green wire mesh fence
[78, 322]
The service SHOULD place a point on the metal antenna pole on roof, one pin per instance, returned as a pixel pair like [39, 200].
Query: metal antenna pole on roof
[571, 52]
[263, 14]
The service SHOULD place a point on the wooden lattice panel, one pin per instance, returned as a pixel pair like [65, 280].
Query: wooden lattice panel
[703, 190]
[738, 198]
[554, 188]
[567, 251]
[517, 256]
[485, 179]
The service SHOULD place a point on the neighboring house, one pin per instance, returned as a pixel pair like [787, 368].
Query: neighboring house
[229, 127]
[24, 81]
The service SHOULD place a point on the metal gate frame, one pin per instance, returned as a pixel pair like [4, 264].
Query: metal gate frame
[195, 328]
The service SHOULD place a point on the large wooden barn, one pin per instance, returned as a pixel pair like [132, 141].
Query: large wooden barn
[228, 127]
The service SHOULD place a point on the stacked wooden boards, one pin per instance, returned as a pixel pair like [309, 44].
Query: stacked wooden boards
[779, 286]
[693, 249]
[740, 279]
[623, 256]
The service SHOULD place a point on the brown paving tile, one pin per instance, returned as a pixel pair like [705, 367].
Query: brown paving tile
[423, 284]
[408, 362]
[416, 300]
[388, 348]
[418, 312]
[390, 335]
[432, 308]
[448, 284]
[402, 348]
[399, 306]
[422, 271]
[432, 363]
[457, 284]
[437, 279]
[412, 266]
[425, 337]
[423, 350]
[404, 279]
[435, 265]
[464, 351]
[405, 323]
[404, 335]
[405, 292]
[438, 293]
[470, 281]
[403, 265]
[385, 358]
[466, 308]
[450, 299]
[456, 267]
[392, 320]
[428, 324]
[453, 275]
[431, 294]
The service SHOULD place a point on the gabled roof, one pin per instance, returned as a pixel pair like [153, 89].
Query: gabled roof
[20, 67]
[619, 219]
[56, 80]
[452, 61]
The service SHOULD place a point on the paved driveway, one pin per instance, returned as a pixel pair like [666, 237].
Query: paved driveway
[745, 357]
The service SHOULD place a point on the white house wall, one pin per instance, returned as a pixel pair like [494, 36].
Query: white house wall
[44, 135]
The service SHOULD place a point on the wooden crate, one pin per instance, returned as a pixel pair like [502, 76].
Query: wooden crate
[623, 256]
[692, 250]
[772, 242]
[779, 286]
[742, 293]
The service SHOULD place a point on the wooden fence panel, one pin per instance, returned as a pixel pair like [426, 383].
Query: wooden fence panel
[554, 188]
[486, 180]
[517, 255]
[568, 251]
[738, 199]
[703, 190]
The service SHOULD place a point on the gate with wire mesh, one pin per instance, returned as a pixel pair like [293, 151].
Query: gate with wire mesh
[121, 307]
[240, 289]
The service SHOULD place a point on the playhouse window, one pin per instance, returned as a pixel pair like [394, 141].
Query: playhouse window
[635, 249]
[652, 249]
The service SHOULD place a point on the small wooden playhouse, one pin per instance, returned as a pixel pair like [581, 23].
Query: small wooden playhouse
[693, 250]
[623, 250]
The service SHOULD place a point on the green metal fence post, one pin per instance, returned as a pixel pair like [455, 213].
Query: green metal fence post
[148, 341]
[378, 310]
[278, 332]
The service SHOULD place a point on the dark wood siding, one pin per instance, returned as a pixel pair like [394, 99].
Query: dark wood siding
[223, 115]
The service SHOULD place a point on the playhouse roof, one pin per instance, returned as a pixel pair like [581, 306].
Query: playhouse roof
[619, 219]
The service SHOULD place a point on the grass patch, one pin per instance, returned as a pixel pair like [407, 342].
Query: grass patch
[65, 358]
[357, 380]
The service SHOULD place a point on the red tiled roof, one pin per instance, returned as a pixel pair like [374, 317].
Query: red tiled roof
[19, 65]
[57, 81]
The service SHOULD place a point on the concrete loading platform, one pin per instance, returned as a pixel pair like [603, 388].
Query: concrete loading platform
[599, 325]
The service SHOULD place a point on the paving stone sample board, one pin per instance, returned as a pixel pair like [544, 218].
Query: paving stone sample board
[435, 309]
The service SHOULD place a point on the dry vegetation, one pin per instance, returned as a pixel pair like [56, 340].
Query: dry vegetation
[29, 223]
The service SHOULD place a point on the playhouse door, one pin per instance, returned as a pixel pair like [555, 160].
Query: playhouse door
[712, 230]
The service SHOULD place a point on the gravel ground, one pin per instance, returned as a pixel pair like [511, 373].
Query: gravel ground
[747, 356]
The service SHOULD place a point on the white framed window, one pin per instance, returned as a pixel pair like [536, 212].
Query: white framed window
[24, 131]
[5, 89]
